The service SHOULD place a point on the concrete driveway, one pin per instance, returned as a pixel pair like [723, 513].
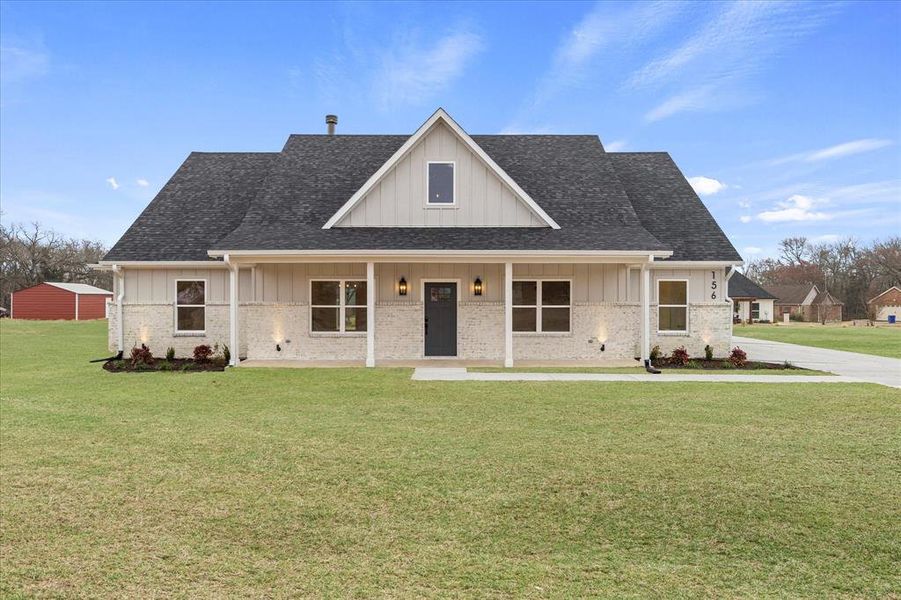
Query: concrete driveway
[875, 369]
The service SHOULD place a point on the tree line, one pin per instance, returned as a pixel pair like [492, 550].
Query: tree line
[850, 271]
[32, 254]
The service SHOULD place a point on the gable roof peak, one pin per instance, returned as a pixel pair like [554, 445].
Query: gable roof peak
[439, 115]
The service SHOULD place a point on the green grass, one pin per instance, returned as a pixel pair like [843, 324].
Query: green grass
[640, 371]
[363, 483]
[879, 341]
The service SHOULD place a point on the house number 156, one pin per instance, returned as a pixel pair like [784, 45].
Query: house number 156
[713, 286]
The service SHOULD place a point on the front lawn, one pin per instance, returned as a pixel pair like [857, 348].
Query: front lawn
[354, 482]
[880, 341]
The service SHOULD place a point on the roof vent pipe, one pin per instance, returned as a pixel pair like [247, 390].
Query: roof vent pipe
[330, 122]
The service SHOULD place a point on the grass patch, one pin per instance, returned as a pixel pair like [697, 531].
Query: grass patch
[640, 371]
[355, 482]
[878, 341]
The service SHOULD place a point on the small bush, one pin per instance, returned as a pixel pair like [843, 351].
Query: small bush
[680, 356]
[141, 356]
[170, 353]
[787, 365]
[708, 352]
[727, 365]
[694, 365]
[202, 353]
[165, 366]
[655, 353]
[226, 354]
[738, 357]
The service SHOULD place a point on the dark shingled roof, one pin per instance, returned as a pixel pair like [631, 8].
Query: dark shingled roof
[742, 287]
[280, 202]
[669, 208]
[791, 293]
[204, 200]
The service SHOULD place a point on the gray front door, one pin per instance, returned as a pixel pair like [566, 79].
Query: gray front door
[440, 319]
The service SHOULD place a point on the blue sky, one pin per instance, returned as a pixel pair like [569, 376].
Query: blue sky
[785, 116]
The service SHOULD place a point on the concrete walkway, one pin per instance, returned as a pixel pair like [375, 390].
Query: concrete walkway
[459, 374]
[863, 367]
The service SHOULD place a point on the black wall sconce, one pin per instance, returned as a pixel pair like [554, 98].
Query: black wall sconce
[402, 287]
[477, 287]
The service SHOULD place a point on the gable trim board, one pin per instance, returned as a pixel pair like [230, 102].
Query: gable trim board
[439, 116]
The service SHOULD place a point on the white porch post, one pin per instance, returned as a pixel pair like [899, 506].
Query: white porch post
[120, 313]
[508, 314]
[370, 314]
[233, 313]
[645, 313]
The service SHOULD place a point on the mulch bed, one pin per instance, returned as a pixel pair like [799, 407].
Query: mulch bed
[699, 364]
[181, 365]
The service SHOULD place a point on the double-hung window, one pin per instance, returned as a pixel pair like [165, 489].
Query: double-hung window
[441, 188]
[542, 306]
[755, 311]
[672, 305]
[338, 306]
[190, 306]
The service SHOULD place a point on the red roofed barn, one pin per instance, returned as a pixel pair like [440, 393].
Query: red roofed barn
[51, 300]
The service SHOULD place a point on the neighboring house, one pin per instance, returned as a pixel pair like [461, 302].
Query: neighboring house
[806, 302]
[384, 249]
[751, 302]
[56, 300]
[887, 303]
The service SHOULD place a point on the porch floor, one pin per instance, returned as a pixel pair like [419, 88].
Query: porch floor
[431, 363]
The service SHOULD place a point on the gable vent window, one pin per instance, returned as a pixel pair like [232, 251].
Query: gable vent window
[441, 184]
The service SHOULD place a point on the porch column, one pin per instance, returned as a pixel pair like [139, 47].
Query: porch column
[233, 314]
[370, 314]
[645, 313]
[508, 314]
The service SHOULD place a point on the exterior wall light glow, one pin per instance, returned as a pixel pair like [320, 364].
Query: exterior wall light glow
[402, 287]
[477, 287]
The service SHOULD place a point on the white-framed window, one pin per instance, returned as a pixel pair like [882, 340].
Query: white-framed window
[190, 305]
[755, 311]
[338, 306]
[672, 305]
[542, 305]
[441, 188]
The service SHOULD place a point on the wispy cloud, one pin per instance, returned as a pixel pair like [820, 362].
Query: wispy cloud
[607, 32]
[796, 208]
[412, 73]
[837, 151]
[113, 183]
[746, 218]
[142, 182]
[752, 250]
[19, 63]
[710, 66]
[616, 146]
[706, 186]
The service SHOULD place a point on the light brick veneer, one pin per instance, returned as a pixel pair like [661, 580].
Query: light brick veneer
[707, 324]
[399, 332]
[616, 326]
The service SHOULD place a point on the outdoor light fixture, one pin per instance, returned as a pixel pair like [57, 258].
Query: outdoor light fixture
[278, 347]
[402, 287]
[477, 286]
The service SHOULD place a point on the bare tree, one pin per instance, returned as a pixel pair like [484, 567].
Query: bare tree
[32, 254]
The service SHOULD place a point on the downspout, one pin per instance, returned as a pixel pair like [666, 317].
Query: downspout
[232, 310]
[120, 298]
[728, 298]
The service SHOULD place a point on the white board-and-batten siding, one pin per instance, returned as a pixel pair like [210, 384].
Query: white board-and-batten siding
[482, 199]
[289, 283]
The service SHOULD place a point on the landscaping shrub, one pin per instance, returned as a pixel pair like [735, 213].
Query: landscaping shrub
[655, 353]
[170, 353]
[141, 356]
[226, 354]
[708, 352]
[680, 356]
[738, 357]
[202, 353]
